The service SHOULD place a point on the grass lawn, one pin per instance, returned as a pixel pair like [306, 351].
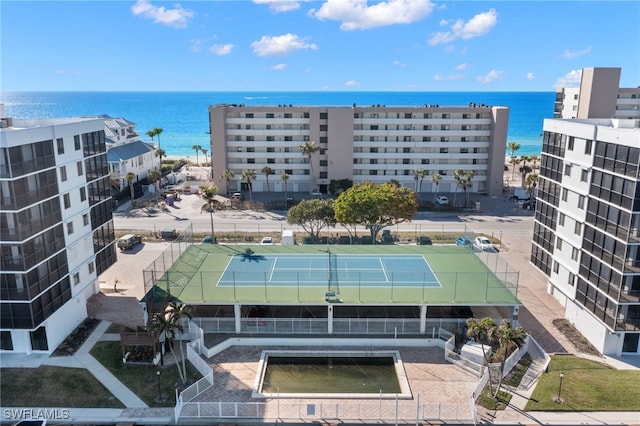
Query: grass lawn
[586, 386]
[48, 386]
[142, 379]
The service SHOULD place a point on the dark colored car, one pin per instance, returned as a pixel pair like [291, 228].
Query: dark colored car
[424, 241]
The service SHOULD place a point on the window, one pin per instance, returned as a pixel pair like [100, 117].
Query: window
[250, 138]
[288, 138]
[444, 127]
[567, 169]
[251, 161]
[578, 228]
[271, 139]
[269, 115]
[271, 161]
[85, 219]
[63, 173]
[289, 172]
[251, 149]
[323, 116]
[323, 163]
[248, 126]
[565, 194]
[92, 267]
[324, 127]
[76, 278]
[323, 175]
[271, 149]
[444, 150]
[373, 172]
[6, 344]
[69, 228]
[581, 201]
[83, 194]
[373, 150]
[584, 175]
[587, 146]
[249, 115]
[67, 200]
[425, 161]
[373, 161]
[60, 144]
[561, 219]
[76, 143]
[572, 279]
[79, 166]
[464, 150]
[324, 139]
[444, 138]
[556, 267]
[559, 244]
[574, 254]
[570, 143]
[288, 115]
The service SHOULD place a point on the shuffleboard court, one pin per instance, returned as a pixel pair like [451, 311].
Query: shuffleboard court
[342, 270]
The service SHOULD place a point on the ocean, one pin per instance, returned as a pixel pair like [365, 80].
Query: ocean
[183, 116]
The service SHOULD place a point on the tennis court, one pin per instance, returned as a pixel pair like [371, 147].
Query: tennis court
[342, 270]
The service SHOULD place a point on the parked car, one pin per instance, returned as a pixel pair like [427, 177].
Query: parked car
[208, 240]
[483, 244]
[291, 200]
[129, 241]
[316, 194]
[463, 241]
[441, 200]
[237, 196]
[424, 241]
[266, 241]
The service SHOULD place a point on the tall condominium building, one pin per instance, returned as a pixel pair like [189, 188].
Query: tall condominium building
[598, 96]
[56, 227]
[375, 143]
[586, 235]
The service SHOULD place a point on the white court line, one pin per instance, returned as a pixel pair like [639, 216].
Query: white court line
[384, 271]
[273, 267]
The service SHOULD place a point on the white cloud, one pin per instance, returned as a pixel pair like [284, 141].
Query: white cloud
[570, 79]
[477, 26]
[450, 77]
[399, 64]
[281, 45]
[463, 67]
[358, 15]
[221, 49]
[279, 67]
[175, 18]
[278, 6]
[531, 76]
[567, 54]
[491, 76]
[196, 45]
[352, 83]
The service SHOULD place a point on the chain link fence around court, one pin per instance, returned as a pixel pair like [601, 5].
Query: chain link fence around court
[498, 285]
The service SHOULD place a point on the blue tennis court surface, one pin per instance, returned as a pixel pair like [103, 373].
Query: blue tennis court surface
[334, 269]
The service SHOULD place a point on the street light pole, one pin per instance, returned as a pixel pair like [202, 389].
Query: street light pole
[559, 399]
[213, 235]
[159, 388]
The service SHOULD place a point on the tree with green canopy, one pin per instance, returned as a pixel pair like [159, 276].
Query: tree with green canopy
[374, 206]
[308, 149]
[228, 175]
[169, 323]
[313, 216]
[129, 177]
[513, 147]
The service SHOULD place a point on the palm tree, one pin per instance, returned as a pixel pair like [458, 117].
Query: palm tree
[228, 175]
[514, 162]
[480, 332]
[249, 175]
[465, 184]
[129, 177]
[534, 160]
[209, 195]
[308, 149]
[168, 323]
[435, 179]
[524, 171]
[204, 152]
[153, 176]
[157, 131]
[513, 147]
[285, 178]
[418, 176]
[151, 133]
[508, 340]
[395, 182]
[161, 153]
[266, 170]
[458, 176]
[197, 149]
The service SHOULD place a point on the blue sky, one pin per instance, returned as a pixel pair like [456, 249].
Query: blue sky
[336, 45]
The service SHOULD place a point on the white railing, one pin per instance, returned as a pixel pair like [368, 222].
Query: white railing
[515, 357]
[453, 357]
[387, 411]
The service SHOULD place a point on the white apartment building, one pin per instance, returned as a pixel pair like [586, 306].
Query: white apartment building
[586, 237]
[376, 143]
[56, 227]
[598, 96]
